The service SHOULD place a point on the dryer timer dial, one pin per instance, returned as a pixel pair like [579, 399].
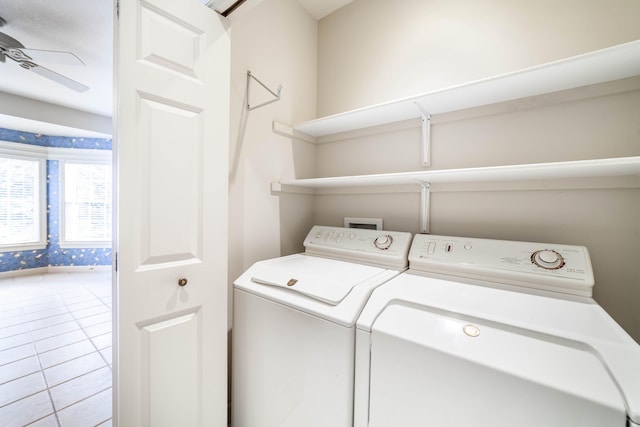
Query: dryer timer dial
[383, 242]
[547, 259]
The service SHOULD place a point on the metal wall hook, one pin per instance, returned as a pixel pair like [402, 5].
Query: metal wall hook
[276, 94]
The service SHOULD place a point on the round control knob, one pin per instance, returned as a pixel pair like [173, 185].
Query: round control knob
[383, 242]
[547, 259]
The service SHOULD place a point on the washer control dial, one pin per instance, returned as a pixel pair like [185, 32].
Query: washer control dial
[383, 242]
[547, 259]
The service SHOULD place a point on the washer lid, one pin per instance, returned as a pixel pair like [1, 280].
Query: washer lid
[435, 363]
[328, 281]
[568, 318]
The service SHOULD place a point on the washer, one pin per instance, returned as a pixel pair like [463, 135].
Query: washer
[493, 333]
[294, 327]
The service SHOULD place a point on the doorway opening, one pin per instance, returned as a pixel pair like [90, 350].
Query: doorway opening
[55, 280]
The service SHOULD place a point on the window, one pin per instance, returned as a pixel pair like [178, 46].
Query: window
[87, 205]
[21, 199]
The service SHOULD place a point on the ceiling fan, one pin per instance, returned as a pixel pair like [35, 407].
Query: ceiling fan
[29, 59]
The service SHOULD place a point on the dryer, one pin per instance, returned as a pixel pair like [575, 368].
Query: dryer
[493, 333]
[293, 339]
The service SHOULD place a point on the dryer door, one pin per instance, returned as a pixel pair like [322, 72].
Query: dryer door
[442, 369]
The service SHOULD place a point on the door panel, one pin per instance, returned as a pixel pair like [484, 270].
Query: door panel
[172, 137]
[171, 150]
[168, 42]
[170, 356]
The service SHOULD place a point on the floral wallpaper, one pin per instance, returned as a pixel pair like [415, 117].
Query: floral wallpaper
[53, 254]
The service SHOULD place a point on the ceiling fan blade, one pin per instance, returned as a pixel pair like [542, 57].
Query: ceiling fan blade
[7, 41]
[52, 57]
[58, 78]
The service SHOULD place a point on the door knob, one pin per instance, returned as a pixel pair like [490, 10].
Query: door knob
[182, 281]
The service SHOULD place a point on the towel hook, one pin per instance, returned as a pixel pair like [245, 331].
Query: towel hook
[276, 94]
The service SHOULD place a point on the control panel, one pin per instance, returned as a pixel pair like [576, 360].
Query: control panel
[381, 247]
[552, 267]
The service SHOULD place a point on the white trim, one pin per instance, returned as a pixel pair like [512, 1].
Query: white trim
[62, 240]
[79, 155]
[54, 153]
[23, 247]
[55, 269]
[42, 191]
[23, 150]
[42, 202]
[25, 272]
[77, 268]
[103, 244]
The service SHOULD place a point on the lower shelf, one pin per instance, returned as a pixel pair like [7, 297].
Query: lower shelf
[598, 173]
[621, 172]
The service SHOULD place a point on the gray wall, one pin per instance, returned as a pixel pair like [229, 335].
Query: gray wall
[373, 51]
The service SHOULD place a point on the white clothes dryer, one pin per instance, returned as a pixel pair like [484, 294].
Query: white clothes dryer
[493, 333]
[293, 339]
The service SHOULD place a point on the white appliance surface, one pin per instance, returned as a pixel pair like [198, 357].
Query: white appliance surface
[558, 268]
[294, 327]
[493, 351]
[320, 282]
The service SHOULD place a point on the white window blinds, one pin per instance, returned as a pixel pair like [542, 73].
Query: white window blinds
[19, 201]
[87, 202]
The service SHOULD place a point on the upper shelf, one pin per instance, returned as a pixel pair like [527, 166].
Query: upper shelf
[599, 168]
[600, 66]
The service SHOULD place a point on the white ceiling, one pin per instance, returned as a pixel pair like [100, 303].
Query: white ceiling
[321, 8]
[85, 28]
[78, 26]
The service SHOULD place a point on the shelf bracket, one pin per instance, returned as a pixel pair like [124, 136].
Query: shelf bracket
[426, 136]
[276, 94]
[425, 205]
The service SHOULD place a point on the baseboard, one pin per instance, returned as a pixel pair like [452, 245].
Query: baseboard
[77, 268]
[55, 269]
[25, 272]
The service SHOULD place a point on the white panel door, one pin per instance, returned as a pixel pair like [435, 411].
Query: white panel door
[171, 147]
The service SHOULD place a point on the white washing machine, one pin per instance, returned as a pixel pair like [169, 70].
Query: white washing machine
[493, 333]
[294, 317]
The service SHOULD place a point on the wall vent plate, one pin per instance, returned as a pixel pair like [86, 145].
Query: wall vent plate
[366, 223]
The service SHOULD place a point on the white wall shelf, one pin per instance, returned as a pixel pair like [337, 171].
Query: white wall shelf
[606, 173]
[614, 63]
[600, 66]
[576, 169]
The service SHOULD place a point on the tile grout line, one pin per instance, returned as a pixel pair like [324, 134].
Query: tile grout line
[36, 352]
[76, 320]
[97, 351]
[84, 332]
[85, 398]
[110, 310]
[46, 383]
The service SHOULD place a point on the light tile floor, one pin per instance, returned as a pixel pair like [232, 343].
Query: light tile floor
[55, 350]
